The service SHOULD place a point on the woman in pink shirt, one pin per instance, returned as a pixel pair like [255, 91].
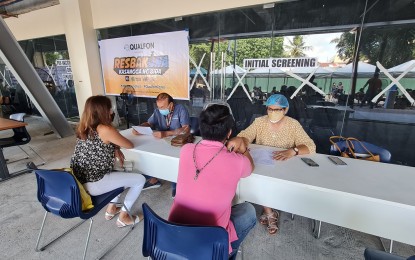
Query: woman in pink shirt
[208, 177]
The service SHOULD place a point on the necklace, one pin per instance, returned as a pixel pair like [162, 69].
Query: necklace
[194, 159]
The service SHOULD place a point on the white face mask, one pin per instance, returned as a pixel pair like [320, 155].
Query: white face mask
[275, 117]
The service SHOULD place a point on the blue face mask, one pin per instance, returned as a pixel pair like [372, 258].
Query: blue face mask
[164, 112]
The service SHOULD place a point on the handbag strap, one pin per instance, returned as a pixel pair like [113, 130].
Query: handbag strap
[350, 145]
[334, 143]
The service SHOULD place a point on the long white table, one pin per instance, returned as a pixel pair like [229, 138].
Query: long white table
[370, 197]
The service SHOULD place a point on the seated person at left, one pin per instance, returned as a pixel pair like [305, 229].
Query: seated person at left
[167, 119]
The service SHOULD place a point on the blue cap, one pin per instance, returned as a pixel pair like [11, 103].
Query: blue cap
[277, 100]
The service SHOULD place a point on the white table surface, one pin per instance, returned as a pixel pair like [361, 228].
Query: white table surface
[370, 197]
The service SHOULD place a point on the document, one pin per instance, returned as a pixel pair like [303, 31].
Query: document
[145, 130]
[262, 156]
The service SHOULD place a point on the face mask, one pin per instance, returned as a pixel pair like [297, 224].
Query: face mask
[164, 112]
[275, 117]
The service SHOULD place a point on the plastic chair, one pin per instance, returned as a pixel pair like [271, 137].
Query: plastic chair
[59, 194]
[166, 240]
[20, 137]
[374, 254]
[194, 126]
[385, 155]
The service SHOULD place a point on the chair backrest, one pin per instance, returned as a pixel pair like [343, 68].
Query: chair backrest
[194, 125]
[385, 155]
[166, 240]
[58, 193]
[21, 136]
[17, 116]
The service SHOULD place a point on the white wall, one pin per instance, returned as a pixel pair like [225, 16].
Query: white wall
[109, 13]
[37, 24]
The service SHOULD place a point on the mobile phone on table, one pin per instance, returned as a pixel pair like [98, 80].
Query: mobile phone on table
[309, 162]
[336, 160]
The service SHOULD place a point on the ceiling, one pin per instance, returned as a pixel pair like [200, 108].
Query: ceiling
[14, 8]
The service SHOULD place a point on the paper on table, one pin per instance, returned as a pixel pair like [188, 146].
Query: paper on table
[262, 156]
[145, 130]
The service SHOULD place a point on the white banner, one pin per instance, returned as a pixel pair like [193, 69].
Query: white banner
[151, 64]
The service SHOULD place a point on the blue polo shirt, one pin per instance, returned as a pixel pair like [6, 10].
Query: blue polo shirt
[179, 119]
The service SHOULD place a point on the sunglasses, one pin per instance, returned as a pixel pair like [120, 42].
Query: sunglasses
[219, 104]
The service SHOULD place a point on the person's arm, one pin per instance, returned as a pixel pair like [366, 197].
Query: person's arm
[248, 155]
[244, 138]
[109, 134]
[302, 142]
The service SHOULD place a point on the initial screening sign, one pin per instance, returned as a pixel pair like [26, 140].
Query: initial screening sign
[151, 64]
[281, 63]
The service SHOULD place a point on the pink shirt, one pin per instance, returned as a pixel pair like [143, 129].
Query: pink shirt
[207, 200]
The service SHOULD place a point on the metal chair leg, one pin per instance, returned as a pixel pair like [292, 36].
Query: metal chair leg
[113, 245]
[384, 247]
[319, 229]
[54, 240]
[315, 231]
[40, 233]
[87, 237]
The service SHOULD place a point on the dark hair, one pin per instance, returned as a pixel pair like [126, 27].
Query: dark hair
[215, 122]
[163, 96]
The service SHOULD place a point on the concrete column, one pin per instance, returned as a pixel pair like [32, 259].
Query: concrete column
[83, 49]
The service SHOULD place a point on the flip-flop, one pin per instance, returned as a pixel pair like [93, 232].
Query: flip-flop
[137, 219]
[109, 216]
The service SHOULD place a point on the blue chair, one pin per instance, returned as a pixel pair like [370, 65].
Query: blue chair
[374, 254]
[194, 126]
[59, 194]
[385, 155]
[166, 240]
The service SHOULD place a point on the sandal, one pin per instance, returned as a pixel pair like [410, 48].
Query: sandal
[263, 219]
[109, 216]
[273, 223]
[137, 219]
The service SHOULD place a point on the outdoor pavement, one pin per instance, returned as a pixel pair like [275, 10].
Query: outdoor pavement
[22, 214]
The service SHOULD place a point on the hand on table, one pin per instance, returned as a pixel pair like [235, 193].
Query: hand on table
[159, 134]
[283, 155]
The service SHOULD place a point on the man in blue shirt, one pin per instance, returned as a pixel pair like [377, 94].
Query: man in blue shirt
[168, 119]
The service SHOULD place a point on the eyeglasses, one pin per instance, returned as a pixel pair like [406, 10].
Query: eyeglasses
[275, 109]
[219, 104]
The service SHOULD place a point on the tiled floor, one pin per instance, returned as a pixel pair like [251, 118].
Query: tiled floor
[21, 216]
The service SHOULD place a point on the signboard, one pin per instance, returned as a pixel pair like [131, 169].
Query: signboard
[63, 72]
[151, 64]
[281, 63]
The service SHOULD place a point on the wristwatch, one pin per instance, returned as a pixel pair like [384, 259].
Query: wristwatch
[296, 150]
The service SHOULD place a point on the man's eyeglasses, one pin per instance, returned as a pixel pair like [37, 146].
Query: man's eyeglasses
[275, 109]
[219, 104]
